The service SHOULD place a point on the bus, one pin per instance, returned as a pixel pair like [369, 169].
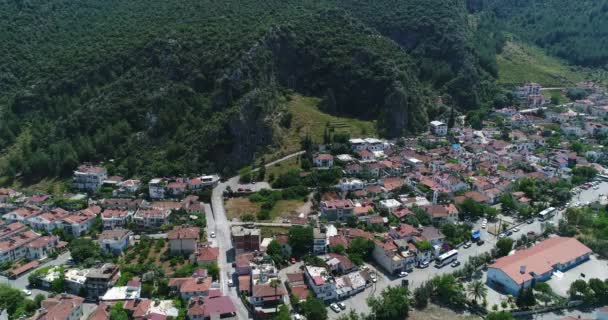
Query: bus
[446, 258]
[546, 214]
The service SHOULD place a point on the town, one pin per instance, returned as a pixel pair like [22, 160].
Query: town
[507, 213]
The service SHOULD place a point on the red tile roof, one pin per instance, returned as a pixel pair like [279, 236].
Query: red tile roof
[541, 258]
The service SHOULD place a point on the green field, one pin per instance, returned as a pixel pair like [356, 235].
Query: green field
[519, 63]
[308, 119]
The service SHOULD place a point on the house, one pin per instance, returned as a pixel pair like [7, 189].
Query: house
[511, 273]
[212, 307]
[265, 299]
[390, 204]
[151, 218]
[114, 218]
[340, 263]
[319, 245]
[140, 309]
[22, 214]
[337, 209]
[42, 247]
[245, 239]
[191, 286]
[366, 155]
[81, 221]
[89, 177]
[156, 188]
[60, 307]
[357, 144]
[203, 181]
[432, 235]
[321, 283]
[439, 128]
[114, 241]
[404, 231]
[442, 213]
[297, 286]
[323, 160]
[126, 188]
[48, 220]
[386, 254]
[351, 185]
[100, 279]
[183, 239]
[19, 242]
[207, 255]
[132, 291]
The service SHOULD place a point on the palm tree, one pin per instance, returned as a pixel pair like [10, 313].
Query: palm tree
[275, 283]
[477, 290]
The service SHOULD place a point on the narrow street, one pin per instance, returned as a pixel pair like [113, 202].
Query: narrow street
[218, 222]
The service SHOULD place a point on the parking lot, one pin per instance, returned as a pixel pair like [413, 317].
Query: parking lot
[593, 268]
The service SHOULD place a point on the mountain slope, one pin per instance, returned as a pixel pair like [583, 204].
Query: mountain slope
[167, 87]
[573, 30]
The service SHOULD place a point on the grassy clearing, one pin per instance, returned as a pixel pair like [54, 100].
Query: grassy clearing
[519, 63]
[282, 167]
[434, 312]
[53, 186]
[285, 208]
[237, 207]
[558, 93]
[268, 232]
[307, 118]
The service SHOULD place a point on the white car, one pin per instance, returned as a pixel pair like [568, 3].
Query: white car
[516, 229]
[27, 292]
[230, 283]
[335, 307]
[342, 305]
[502, 235]
[485, 220]
[298, 316]
[373, 277]
[483, 226]
[403, 274]
[212, 234]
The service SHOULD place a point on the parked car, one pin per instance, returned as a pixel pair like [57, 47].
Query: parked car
[424, 264]
[516, 229]
[530, 221]
[335, 307]
[502, 235]
[373, 277]
[293, 260]
[455, 264]
[531, 233]
[342, 305]
[27, 292]
[230, 283]
[483, 226]
[298, 316]
[467, 245]
[480, 242]
[509, 233]
[403, 274]
[212, 234]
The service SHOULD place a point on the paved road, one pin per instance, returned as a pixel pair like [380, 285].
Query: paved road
[218, 222]
[22, 282]
[263, 224]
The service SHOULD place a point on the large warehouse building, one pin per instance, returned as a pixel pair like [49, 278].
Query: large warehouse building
[509, 274]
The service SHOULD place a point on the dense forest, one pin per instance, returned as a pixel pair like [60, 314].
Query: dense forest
[181, 87]
[170, 87]
[573, 30]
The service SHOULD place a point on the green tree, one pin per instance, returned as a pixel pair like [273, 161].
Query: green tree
[360, 249]
[300, 240]
[10, 299]
[283, 313]
[526, 298]
[314, 308]
[422, 295]
[117, 312]
[213, 270]
[502, 315]
[392, 304]
[478, 290]
[82, 249]
[504, 246]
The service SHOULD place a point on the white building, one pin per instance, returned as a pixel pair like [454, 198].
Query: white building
[390, 204]
[156, 188]
[439, 128]
[321, 283]
[89, 178]
[114, 241]
[351, 185]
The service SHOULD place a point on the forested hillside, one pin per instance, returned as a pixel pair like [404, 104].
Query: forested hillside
[177, 87]
[573, 30]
